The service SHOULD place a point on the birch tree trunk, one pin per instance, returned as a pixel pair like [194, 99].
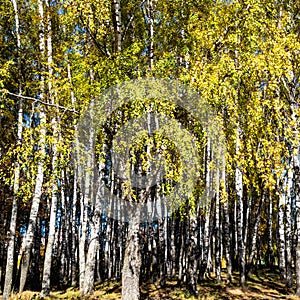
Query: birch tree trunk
[116, 5]
[281, 236]
[291, 88]
[49, 248]
[206, 233]
[297, 219]
[240, 215]
[150, 18]
[227, 239]
[88, 288]
[84, 202]
[28, 238]
[288, 230]
[218, 255]
[297, 261]
[90, 263]
[74, 204]
[270, 254]
[192, 256]
[14, 210]
[254, 234]
[74, 232]
[132, 261]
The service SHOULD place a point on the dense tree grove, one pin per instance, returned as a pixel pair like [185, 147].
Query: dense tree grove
[240, 57]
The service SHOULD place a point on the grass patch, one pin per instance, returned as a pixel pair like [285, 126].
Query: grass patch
[264, 285]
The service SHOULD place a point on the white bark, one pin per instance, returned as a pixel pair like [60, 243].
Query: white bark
[14, 211]
[132, 261]
[83, 229]
[150, 18]
[240, 213]
[48, 254]
[288, 230]
[218, 255]
[227, 239]
[28, 238]
[117, 25]
[297, 261]
[281, 236]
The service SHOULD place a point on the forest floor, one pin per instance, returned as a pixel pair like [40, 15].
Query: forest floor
[264, 285]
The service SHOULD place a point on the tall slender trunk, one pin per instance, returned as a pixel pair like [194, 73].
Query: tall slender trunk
[75, 198]
[63, 241]
[85, 196]
[296, 166]
[240, 215]
[281, 235]
[288, 230]
[49, 248]
[270, 254]
[87, 205]
[227, 238]
[218, 255]
[297, 231]
[74, 231]
[254, 234]
[52, 224]
[182, 266]
[291, 87]
[206, 233]
[28, 238]
[192, 255]
[14, 210]
[107, 249]
[172, 245]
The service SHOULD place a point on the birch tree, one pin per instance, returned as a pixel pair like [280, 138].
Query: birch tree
[28, 238]
[52, 224]
[13, 221]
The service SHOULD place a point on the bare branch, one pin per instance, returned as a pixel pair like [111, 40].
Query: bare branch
[131, 19]
[42, 102]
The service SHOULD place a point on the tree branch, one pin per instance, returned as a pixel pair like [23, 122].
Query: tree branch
[42, 102]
